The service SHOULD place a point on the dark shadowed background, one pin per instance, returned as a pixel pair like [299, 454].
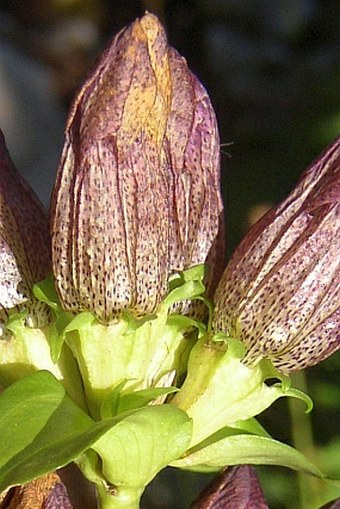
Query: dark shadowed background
[272, 70]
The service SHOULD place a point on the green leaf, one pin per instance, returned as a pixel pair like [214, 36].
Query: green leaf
[117, 403]
[210, 306]
[79, 321]
[57, 334]
[185, 322]
[195, 273]
[106, 355]
[16, 322]
[189, 290]
[45, 292]
[187, 284]
[138, 399]
[270, 372]
[41, 429]
[132, 323]
[296, 393]
[25, 352]
[249, 426]
[66, 322]
[252, 426]
[109, 407]
[139, 446]
[248, 449]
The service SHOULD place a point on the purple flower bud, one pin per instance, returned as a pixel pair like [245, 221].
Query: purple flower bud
[24, 243]
[280, 291]
[137, 194]
[232, 488]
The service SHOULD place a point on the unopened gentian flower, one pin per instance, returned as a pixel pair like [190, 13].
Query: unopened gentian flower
[136, 201]
[25, 259]
[137, 194]
[24, 244]
[279, 296]
[280, 291]
[136, 211]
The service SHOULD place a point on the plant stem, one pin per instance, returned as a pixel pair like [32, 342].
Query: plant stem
[125, 498]
[302, 435]
[109, 497]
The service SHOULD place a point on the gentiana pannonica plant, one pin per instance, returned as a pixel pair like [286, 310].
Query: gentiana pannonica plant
[124, 349]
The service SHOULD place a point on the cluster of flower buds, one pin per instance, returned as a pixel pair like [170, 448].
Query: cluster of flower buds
[137, 200]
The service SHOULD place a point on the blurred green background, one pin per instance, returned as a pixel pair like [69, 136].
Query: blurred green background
[272, 69]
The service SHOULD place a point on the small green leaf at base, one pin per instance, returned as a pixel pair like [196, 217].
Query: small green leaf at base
[247, 449]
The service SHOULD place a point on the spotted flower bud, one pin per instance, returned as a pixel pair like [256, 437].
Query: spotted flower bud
[24, 243]
[280, 291]
[137, 194]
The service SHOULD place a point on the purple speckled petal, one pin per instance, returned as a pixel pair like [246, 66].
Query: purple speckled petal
[24, 242]
[235, 488]
[57, 498]
[194, 152]
[280, 291]
[137, 195]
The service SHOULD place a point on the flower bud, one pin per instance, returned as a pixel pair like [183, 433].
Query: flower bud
[24, 243]
[137, 194]
[280, 291]
[236, 486]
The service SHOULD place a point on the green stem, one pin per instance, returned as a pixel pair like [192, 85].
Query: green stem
[109, 497]
[302, 435]
[122, 498]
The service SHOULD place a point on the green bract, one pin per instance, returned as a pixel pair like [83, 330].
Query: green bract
[28, 351]
[220, 390]
[129, 354]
